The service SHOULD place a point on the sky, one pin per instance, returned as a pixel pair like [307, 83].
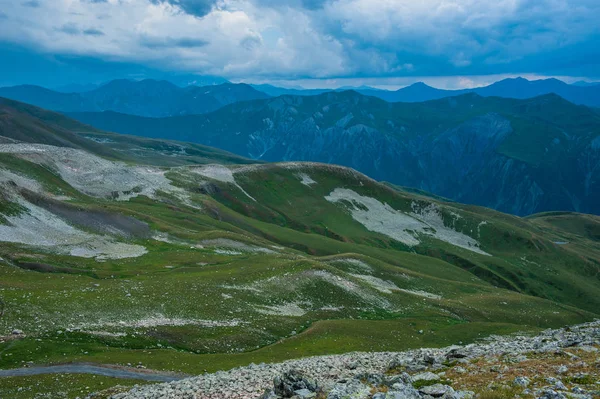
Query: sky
[309, 43]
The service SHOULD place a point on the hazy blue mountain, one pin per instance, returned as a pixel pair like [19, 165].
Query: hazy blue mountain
[358, 88]
[417, 92]
[508, 88]
[579, 93]
[152, 98]
[229, 93]
[48, 99]
[76, 88]
[518, 156]
[523, 88]
[195, 80]
[275, 91]
[584, 83]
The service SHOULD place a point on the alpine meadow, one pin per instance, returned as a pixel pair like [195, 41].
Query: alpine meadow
[331, 199]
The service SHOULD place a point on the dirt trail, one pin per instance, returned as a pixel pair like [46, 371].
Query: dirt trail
[107, 371]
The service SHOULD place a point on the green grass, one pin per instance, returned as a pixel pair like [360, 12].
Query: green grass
[322, 338]
[79, 313]
[68, 386]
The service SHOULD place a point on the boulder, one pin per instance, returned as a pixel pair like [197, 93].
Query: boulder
[521, 382]
[437, 390]
[292, 381]
[426, 376]
[403, 378]
[351, 389]
[305, 394]
[401, 391]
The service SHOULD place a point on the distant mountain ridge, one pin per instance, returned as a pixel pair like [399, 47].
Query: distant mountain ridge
[518, 88]
[161, 98]
[151, 98]
[275, 91]
[517, 156]
[584, 93]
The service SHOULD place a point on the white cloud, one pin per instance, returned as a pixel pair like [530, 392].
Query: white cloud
[311, 38]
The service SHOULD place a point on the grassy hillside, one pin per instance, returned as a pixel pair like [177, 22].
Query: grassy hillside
[29, 124]
[205, 267]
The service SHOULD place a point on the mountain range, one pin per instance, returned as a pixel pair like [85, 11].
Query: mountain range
[154, 98]
[516, 156]
[585, 93]
[518, 88]
[151, 98]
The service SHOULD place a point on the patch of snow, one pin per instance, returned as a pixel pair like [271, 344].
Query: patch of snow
[227, 252]
[101, 140]
[306, 179]
[432, 216]
[7, 176]
[216, 172]
[524, 259]
[96, 176]
[288, 309]
[107, 334]
[220, 173]
[380, 285]
[354, 262]
[38, 227]
[102, 250]
[350, 287]
[241, 288]
[400, 226]
[421, 293]
[159, 320]
[332, 308]
[235, 245]
[379, 217]
[162, 237]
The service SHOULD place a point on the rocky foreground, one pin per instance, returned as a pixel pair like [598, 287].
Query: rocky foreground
[555, 364]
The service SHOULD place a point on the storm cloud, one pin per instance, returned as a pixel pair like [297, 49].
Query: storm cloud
[323, 39]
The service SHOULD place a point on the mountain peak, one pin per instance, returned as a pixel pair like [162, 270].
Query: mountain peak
[419, 84]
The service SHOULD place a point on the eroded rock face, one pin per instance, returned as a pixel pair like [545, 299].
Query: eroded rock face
[416, 374]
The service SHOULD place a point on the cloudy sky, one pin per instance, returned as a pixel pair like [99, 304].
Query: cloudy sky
[448, 43]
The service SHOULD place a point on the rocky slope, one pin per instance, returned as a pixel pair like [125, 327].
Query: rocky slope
[516, 156]
[509, 365]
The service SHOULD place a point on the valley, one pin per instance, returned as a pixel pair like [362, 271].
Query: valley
[180, 258]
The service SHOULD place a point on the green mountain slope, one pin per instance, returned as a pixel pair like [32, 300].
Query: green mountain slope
[29, 124]
[516, 156]
[206, 267]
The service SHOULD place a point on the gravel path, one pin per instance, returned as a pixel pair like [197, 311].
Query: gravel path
[91, 369]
